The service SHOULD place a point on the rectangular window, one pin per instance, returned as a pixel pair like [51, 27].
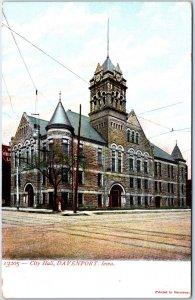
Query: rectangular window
[138, 165]
[172, 174]
[139, 200]
[65, 175]
[50, 175]
[99, 200]
[51, 194]
[172, 188]
[80, 177]
[65, 148]
[27, 156]
[146, 200]
[99, 179]
[51, 149]
[130, 164]
[80, 199]
[159, 166]
[138, 183]
[131, 200]
[14, 180]
[64, 196]
[15, 160]
[145, 167]
[156, 185]
[168, 187]
[160, 186]
[131, 182]
[43, 177]
[146, 184]
[113, 161]
[119, 163]
[43, 198]
[99, 156]
[168, 170]
[19, 163]
[182, 189]
[155, 168]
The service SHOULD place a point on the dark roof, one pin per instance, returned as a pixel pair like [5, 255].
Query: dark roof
[177, 153]
[87, 131]
[59, 117]
[159, 153]
[40, 122]
[108, 65]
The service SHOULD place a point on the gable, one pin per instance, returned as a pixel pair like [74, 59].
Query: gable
[134, 127]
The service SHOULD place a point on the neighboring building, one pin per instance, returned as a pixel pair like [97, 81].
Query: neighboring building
[6, 175]
[189, 193]
[123, 168]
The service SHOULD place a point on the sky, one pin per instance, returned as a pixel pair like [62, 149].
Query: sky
[151, 41]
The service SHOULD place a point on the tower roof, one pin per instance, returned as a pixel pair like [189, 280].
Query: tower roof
[59, 118]
[108, 65]
[176, 154]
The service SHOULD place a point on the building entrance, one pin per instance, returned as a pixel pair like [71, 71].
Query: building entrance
[115, 196]
[157, 201]
[30, 195]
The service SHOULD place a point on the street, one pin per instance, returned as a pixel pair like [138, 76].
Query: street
[140, 235]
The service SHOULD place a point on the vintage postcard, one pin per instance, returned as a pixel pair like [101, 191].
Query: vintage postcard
[96, 149]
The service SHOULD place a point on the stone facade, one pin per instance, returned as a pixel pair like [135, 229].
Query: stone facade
[123, 169]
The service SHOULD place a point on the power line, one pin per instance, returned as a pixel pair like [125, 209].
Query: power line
[155, 123]
[173, 130]
[20, 53]
[54, 59]
[159, 108]
[9, 96]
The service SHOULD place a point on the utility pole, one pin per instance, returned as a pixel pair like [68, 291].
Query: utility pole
[77, 165]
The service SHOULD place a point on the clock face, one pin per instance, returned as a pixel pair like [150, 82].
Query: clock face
[118, 77]
[97, 77]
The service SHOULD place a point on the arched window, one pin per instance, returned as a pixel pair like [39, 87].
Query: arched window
[128, 135]
[133, 137]
[137, 138]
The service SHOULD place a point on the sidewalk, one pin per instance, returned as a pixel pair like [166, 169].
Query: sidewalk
[89, 213]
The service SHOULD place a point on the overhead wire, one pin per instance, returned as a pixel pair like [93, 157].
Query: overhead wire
[163, 107]
[9, 96]
[20, 53]
[44, 52]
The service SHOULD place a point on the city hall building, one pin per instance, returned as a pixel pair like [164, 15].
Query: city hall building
[123, 168]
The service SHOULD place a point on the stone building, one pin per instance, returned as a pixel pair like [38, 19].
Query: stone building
[123, 168]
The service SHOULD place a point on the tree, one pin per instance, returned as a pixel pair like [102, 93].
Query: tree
[54, 165]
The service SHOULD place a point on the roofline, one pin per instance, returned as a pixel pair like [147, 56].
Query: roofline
[164, 159]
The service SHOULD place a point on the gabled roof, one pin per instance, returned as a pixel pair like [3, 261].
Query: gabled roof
[40, 122]
[87, 131]
[159, 153]
[177, 153]
[59, 117]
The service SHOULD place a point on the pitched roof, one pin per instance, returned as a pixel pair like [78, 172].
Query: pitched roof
[159, 153]
[177, 153]
[59, 117]
[40, 122]
[108, 65]
[87, 131]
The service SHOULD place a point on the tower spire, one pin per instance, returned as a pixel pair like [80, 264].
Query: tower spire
[108, 39]
[60, 94]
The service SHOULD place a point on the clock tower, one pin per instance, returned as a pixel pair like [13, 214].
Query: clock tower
[107, 98]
